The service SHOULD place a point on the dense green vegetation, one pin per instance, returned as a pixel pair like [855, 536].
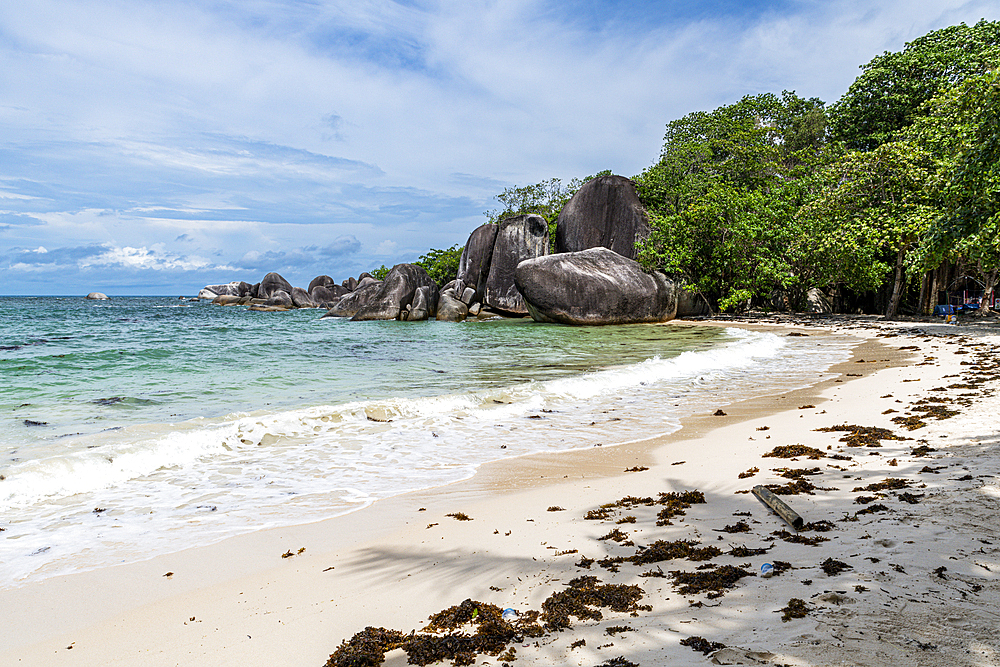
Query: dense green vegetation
[765, 198]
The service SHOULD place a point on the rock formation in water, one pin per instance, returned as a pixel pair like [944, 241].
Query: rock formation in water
[474, 266]
[596, 286]
[518, 239]
[97, 296]
[395, 294]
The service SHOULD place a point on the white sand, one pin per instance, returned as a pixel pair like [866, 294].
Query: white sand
[240, 603]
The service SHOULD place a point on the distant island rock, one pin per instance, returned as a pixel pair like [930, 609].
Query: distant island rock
[97, 296]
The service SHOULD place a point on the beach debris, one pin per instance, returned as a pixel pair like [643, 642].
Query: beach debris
[910, 498]
[100, 510]
[617, 629]
[872, 509]
[794, 488]
[585, 562]
[328, 568]
[168, 575]
[806, 407]
[636, 469]
[678, 463]
[799, 539]
[821, 526]
[556, 508]
[657, 573]
[460, 516]
[626, 519]
[738, 527]
[620, 661]
[858, 436]
[598, 515]
[582, 595]
[834, 567]
[746, 552]
[662, 550]
[888, 484]
[719, 413]
[431, 525]
[714, 582]
[939, 571]
[289, 554]
[789, 515]
[676, 504]
[577, 644]
[749, 473]
[796, 609]
[796, 473]
[793, 451]
[922, 450]
[701, 644]
[767, 570]
[32, 422]
[763, 428]
[616, 535]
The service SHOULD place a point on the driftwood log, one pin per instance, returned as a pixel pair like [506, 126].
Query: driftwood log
[778, 505]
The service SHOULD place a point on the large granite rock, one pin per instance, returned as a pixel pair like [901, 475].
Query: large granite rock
[280, 298]
[327, 297]
[302, 299]
[450, 309]
[272, 283]
[605, 212]
[595, 286]
[519, 238]
[235, 288]
[692, 304]
[350, 284]
[396, 293]
[98, 296]
[818, 302]
[325, 281]
[424, 306]
[350, 304]
[474, 266]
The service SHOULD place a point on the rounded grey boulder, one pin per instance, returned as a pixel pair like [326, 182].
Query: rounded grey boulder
[605, 212]
[302, 298]
[272, 283]
[595, 286]
[280, 298]
[519, 238]
[350, 304]
[97, 296]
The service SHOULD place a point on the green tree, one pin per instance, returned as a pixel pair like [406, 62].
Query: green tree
[723, 195]
[441, 265]
[961, 128]
[888, 94]
[868, 219]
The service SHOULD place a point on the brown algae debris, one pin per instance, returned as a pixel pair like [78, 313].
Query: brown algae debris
[796, 609]
[701, 644]
[460, 516]
[799, 539]
[676, 503]
[793, 451]
[834, 567]
[713, 582]
[888, 484]
[862, 436]
[662, 550]
[749, 473]
[584, 596]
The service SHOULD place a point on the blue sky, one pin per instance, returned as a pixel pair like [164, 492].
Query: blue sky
[155, 146]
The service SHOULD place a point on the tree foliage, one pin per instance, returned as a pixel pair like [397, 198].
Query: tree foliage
[887, 96]
[441, 265]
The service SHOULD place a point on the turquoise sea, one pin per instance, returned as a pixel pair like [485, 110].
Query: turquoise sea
[140, 426]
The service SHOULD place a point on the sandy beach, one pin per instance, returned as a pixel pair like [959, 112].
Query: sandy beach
[898, 562]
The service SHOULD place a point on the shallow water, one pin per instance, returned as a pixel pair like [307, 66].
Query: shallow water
[139, 426]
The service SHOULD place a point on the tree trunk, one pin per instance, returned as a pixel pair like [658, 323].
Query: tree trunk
[924, 298]
[990, 281]
[897, 286]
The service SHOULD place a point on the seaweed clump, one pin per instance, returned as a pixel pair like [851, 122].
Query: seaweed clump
[867, 436]
[662, 550]
[793, 451]
[701, 644]
[582, 595]
[796, 609]
[676, 505]
[714, 582]
[888, 484]
[367, 648]
[794, 488]
[738, 527]
[834, 567]
[749, 473]
[799, 539]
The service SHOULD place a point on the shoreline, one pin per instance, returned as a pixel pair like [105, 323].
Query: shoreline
[385, 571]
